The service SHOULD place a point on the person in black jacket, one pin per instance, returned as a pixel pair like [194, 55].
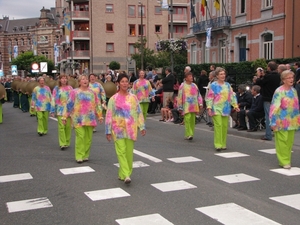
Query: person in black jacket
[255, 112]
[168, 86]
[202, 82]
[268, 82]
[244, 99]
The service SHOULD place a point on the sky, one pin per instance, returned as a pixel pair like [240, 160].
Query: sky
[20, 9]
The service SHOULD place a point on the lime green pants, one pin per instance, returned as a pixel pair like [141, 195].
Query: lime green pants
[42, 117]
[64, 131]
[124, 150]
[189, 124]
[83, 142]
[284, 141]
[144, 107]
[220, 131]
[1, 113]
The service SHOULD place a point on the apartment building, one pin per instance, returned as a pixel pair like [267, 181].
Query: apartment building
[17, 36]
[102, 31]
[242, 30]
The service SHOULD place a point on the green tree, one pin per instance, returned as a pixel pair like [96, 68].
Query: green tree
[25, 60]
[114, 65]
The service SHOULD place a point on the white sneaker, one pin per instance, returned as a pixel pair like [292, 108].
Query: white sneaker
[127, 180]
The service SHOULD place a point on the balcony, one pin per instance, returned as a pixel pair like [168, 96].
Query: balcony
[80, 35]
[179, 18]
[80, 15]
[215, 23]
[80, 54]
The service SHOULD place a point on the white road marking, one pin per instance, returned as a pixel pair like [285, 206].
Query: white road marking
[149, 157]
[269, 151]
[231, 154]
[233, 214]
[15, 177]
[289, 200]
[76, 170]
[184, 159]
[151, 219]
[294, 171]
[52, 118]
[136, 164]
[29, 204]
[236, 178]
[106, 194]
[173, 186]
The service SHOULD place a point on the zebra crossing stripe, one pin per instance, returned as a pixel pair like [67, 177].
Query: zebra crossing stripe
[151, 219]
[29, 204]
[149, 157]
[15, 177]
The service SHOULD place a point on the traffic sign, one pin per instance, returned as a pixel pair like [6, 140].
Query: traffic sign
[44, 67]
[35, 66]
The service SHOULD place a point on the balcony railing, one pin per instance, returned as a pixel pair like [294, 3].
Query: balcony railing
[81, 54]
[80, 14]
[81, 34]
[215, 23]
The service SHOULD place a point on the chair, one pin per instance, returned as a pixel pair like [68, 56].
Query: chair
[203, 115]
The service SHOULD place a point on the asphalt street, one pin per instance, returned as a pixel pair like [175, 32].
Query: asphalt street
[175, 181]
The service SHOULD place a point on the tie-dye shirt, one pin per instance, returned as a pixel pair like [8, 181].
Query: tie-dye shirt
[124, 117]
[99, 90]
[60, 96]
[284, 110]
[189, 98]
[220, 98]
[142, 89]
[83, 107]
[41, 99]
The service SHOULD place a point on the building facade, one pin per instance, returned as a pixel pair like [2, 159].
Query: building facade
[18, 36]
[242, 30]
[102, 31]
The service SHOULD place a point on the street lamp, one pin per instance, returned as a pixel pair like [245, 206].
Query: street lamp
[172, 32]
[142, 41]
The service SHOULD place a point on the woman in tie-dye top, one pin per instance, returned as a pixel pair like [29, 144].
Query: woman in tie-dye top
[284, 118]
[84, 108]
[41, 104]
[123, 118]
[142, 89]
[61, 94]
[219, 99]
[189, 102]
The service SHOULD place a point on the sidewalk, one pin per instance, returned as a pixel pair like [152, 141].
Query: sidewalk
[252, 135]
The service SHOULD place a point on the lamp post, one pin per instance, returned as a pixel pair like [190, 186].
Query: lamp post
[172, 32]
[142, 38]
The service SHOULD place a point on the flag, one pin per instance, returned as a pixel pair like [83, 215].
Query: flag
[208, 37]
[193, 15]
[217, 4]
[203, 4]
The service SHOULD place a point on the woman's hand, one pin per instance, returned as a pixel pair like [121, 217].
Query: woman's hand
[143, 132]
[209, 112]
[108, 137]
[237, 109]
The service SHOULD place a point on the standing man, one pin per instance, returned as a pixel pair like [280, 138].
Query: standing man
[268, 82]
[189, 102]
[168, 86]
[41, 103]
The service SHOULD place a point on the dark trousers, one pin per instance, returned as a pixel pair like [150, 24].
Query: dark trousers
[153, 105]
[16, 100]
[24, 103]
[252, 117]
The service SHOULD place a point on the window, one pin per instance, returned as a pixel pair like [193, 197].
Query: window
[222, 51]
[141, 10]
[241, 6]
[268, 46]
[109, 27]
[109, 47]
[267, 3]
[22, 42]
[109, 8]
[29, 42]
[141, 31]
[16, 41]
[157, 28]
[193, 54]
[131, 10]
[158, 10]
[131, 49]
[131, 30]
[45, 54]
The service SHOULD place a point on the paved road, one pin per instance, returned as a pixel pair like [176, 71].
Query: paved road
[175, 181]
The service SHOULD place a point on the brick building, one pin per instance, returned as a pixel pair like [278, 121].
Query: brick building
[102, 31]
[243, 30]
[21, 32]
